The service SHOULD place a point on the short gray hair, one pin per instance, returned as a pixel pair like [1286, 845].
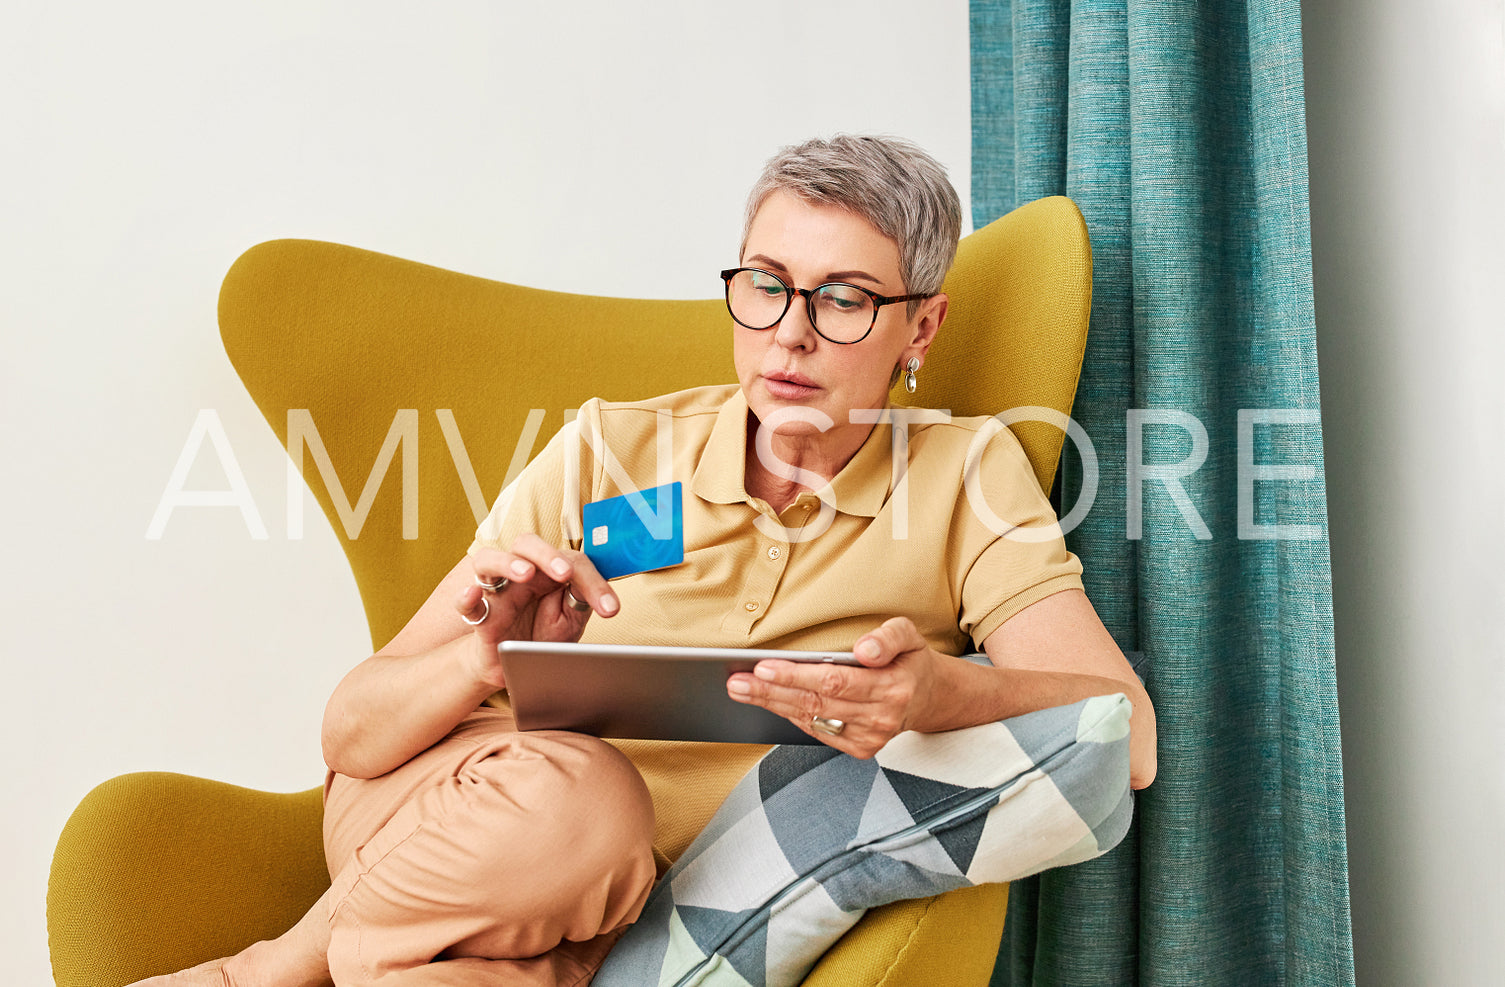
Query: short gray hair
[890, 182]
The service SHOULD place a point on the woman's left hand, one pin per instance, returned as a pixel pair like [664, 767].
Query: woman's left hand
[892, 691]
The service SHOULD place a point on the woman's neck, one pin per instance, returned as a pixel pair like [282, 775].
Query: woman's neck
[792, 464]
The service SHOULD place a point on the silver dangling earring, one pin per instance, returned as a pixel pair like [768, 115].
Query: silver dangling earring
[909, 379]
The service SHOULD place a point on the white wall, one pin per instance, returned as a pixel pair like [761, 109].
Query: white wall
[593, 147]
[1406, 116]
[592, 150]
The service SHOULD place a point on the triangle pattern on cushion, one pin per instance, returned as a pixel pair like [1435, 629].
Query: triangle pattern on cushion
[741, 868]
[750, 957]
[921, 850]
[680, 953]
[919, 794]
[743, 800]
[960, 842]
[819, 814]
[709, 927]
[788, 762]
[1045, 733]
[884, 813]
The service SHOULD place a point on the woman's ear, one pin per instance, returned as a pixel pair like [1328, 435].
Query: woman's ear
[928, 321]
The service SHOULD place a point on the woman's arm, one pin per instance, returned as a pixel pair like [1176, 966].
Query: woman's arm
[1051, 653]
[438, 669]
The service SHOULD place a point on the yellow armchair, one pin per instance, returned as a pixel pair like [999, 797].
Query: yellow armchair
[157, 872]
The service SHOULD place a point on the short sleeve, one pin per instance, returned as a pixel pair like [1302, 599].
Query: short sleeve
[545, 497]
[1011, 552]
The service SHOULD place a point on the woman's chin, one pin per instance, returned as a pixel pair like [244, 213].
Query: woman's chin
[796, 430]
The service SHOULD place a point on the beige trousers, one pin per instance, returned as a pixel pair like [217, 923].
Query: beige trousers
[494, 857]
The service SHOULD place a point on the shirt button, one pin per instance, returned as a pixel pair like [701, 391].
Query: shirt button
[751, 607]
[773, 552]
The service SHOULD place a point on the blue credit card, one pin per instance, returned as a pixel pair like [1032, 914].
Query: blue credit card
[635, 532]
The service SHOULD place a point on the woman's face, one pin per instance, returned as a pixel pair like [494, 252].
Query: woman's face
[809, 244]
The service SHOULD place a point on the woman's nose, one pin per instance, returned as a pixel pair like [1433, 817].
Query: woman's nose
[795, 330]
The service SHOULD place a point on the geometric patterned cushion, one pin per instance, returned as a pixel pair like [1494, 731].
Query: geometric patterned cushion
[811, 838]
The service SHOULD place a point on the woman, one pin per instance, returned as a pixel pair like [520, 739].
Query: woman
[464, 852]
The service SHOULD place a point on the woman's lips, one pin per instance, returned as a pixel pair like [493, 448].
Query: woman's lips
[790, 387]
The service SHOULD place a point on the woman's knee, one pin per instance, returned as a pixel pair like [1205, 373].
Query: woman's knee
[528, 842]
[578, 801]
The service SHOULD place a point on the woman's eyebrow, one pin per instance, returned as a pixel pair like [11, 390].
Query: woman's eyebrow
[767, 262]
[832, 276]
[849, 275]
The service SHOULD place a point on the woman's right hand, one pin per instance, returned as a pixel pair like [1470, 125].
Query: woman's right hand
[534, 603]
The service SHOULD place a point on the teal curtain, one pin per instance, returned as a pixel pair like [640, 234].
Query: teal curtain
[1179, 129]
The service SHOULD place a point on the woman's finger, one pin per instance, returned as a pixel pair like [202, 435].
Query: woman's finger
[794, 704]
[495, 568]
[827, 679]
[589, 587]
[473, 606]
[551, 562]
[888, 641]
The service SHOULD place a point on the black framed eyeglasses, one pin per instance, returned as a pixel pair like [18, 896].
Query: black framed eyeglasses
[842, 313]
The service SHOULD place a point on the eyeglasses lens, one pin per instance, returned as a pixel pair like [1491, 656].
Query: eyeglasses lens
[841, 311]
[757, 299]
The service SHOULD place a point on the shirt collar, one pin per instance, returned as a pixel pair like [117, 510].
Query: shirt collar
[719, 476]
[863, 485]
[861, 488]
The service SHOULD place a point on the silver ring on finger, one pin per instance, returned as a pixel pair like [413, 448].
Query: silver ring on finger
[485, 612]
[578, 605]
[502, 582]
[827, 725]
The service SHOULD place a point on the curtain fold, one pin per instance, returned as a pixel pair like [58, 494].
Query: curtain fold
[1179, 129]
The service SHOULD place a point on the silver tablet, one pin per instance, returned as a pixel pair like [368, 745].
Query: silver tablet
[645, 692]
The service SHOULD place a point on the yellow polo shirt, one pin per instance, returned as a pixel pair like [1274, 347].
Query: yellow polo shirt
[957, 558]
[957, 536]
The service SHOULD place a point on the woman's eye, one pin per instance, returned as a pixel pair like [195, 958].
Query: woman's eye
[840, 301]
